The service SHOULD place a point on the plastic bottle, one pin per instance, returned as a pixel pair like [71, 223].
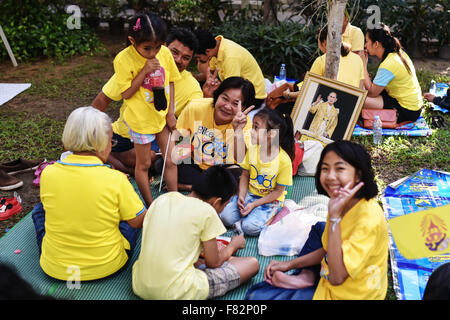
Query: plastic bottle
[377, 130]
[433, 87]
[156, 79]
[282, 75]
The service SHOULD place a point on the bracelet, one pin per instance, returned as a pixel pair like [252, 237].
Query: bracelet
[335, 222]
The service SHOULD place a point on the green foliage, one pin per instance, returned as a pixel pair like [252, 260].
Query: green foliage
[34, 29]
[272, 45]
[411, 20]
[206, 12]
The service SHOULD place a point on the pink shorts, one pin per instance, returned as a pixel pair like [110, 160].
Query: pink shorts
[139, 138]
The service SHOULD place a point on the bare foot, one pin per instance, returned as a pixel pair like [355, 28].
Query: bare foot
[302, 280]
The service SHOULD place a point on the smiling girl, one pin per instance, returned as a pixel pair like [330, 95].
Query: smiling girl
[347, 258]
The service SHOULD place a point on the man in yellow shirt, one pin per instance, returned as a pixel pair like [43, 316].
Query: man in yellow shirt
[177, 230]
[325, 116]
[182, 44]
[231, 60]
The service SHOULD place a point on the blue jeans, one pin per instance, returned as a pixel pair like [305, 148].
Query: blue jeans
[256, 220]
[265, 291]
[38, 215]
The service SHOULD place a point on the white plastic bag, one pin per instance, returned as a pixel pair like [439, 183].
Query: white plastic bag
[288, 236]
[311, 157]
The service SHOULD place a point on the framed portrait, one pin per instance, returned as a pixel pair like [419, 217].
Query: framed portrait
[326, 110]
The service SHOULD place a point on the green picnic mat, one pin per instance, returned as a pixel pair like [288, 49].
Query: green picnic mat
[118, 286]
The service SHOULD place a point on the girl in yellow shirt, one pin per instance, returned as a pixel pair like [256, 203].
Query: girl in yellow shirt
[395, 85]
[353, 250]
[267, 171]
[146, 85]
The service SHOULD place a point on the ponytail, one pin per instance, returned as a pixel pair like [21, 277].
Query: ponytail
[146, 27]
[383, 35]
[283, 122]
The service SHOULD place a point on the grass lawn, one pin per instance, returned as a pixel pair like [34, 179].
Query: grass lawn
[32, 123]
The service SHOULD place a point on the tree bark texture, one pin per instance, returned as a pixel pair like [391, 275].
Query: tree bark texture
[334, 39]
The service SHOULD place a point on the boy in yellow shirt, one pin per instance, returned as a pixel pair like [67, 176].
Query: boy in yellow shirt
[176, 230]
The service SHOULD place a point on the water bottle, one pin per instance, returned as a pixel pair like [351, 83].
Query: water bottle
[156, 79]
[377, 130]
[282, 72]
[433, 87]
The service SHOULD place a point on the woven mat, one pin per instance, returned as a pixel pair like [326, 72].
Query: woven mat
[118, 286]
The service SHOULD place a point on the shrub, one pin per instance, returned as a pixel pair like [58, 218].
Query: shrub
[272, 45]
[35, 29]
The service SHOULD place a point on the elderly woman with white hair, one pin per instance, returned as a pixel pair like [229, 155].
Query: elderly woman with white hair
[88, 221]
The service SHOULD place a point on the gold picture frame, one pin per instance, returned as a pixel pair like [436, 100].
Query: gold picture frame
[320, 115]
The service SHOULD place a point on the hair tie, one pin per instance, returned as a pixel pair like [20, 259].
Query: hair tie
[137, 26]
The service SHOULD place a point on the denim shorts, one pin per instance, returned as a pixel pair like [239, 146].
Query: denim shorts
[256, 220]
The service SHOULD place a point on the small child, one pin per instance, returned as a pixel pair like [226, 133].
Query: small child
[144, 82]
[176, 230]
[267, 171]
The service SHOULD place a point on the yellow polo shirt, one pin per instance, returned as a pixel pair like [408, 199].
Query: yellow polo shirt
[187, 88]
[234, 60]
[174, 228]
[139, 112]
[399, 83]
[265, 176]
[212, 143]
[84, 201]
[111, 90]
[351, 68]
[354, 36]
[365, 245]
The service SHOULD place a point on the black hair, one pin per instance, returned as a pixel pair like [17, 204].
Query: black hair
[205, 40]
[247, 89]
[150, 27]
[358, 157]
[185, 36]
[14, 287]
[383, 35]
[283, 122]
[438, 285]
[216, 181]
[322, 34]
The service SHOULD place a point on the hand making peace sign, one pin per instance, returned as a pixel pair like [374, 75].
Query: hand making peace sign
[240, 119]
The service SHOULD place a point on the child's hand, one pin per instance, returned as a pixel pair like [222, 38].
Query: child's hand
[241, 202]
[238, 242]
[247, 209]
[171, 121]
[339, 199]
[151, 65]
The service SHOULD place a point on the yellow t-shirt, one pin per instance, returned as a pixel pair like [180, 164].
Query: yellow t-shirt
[354, 36]
[399, 83]
[365, 245]
[111, 90]
[351, 68]
[174, 228]
[265, 176]
[140, 113]
[84, 201]
[187, 88]
[234, 60]
[212, 143]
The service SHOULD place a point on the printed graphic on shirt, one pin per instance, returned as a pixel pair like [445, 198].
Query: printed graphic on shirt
[260, 181]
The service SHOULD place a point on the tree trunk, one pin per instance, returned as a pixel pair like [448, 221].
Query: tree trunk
[334, 38]
[270, 11]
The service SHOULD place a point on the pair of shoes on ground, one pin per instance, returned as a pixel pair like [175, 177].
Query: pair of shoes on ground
[9, 182]
[9, 207]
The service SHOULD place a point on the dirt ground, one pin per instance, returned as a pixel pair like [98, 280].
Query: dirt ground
[59, 108]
